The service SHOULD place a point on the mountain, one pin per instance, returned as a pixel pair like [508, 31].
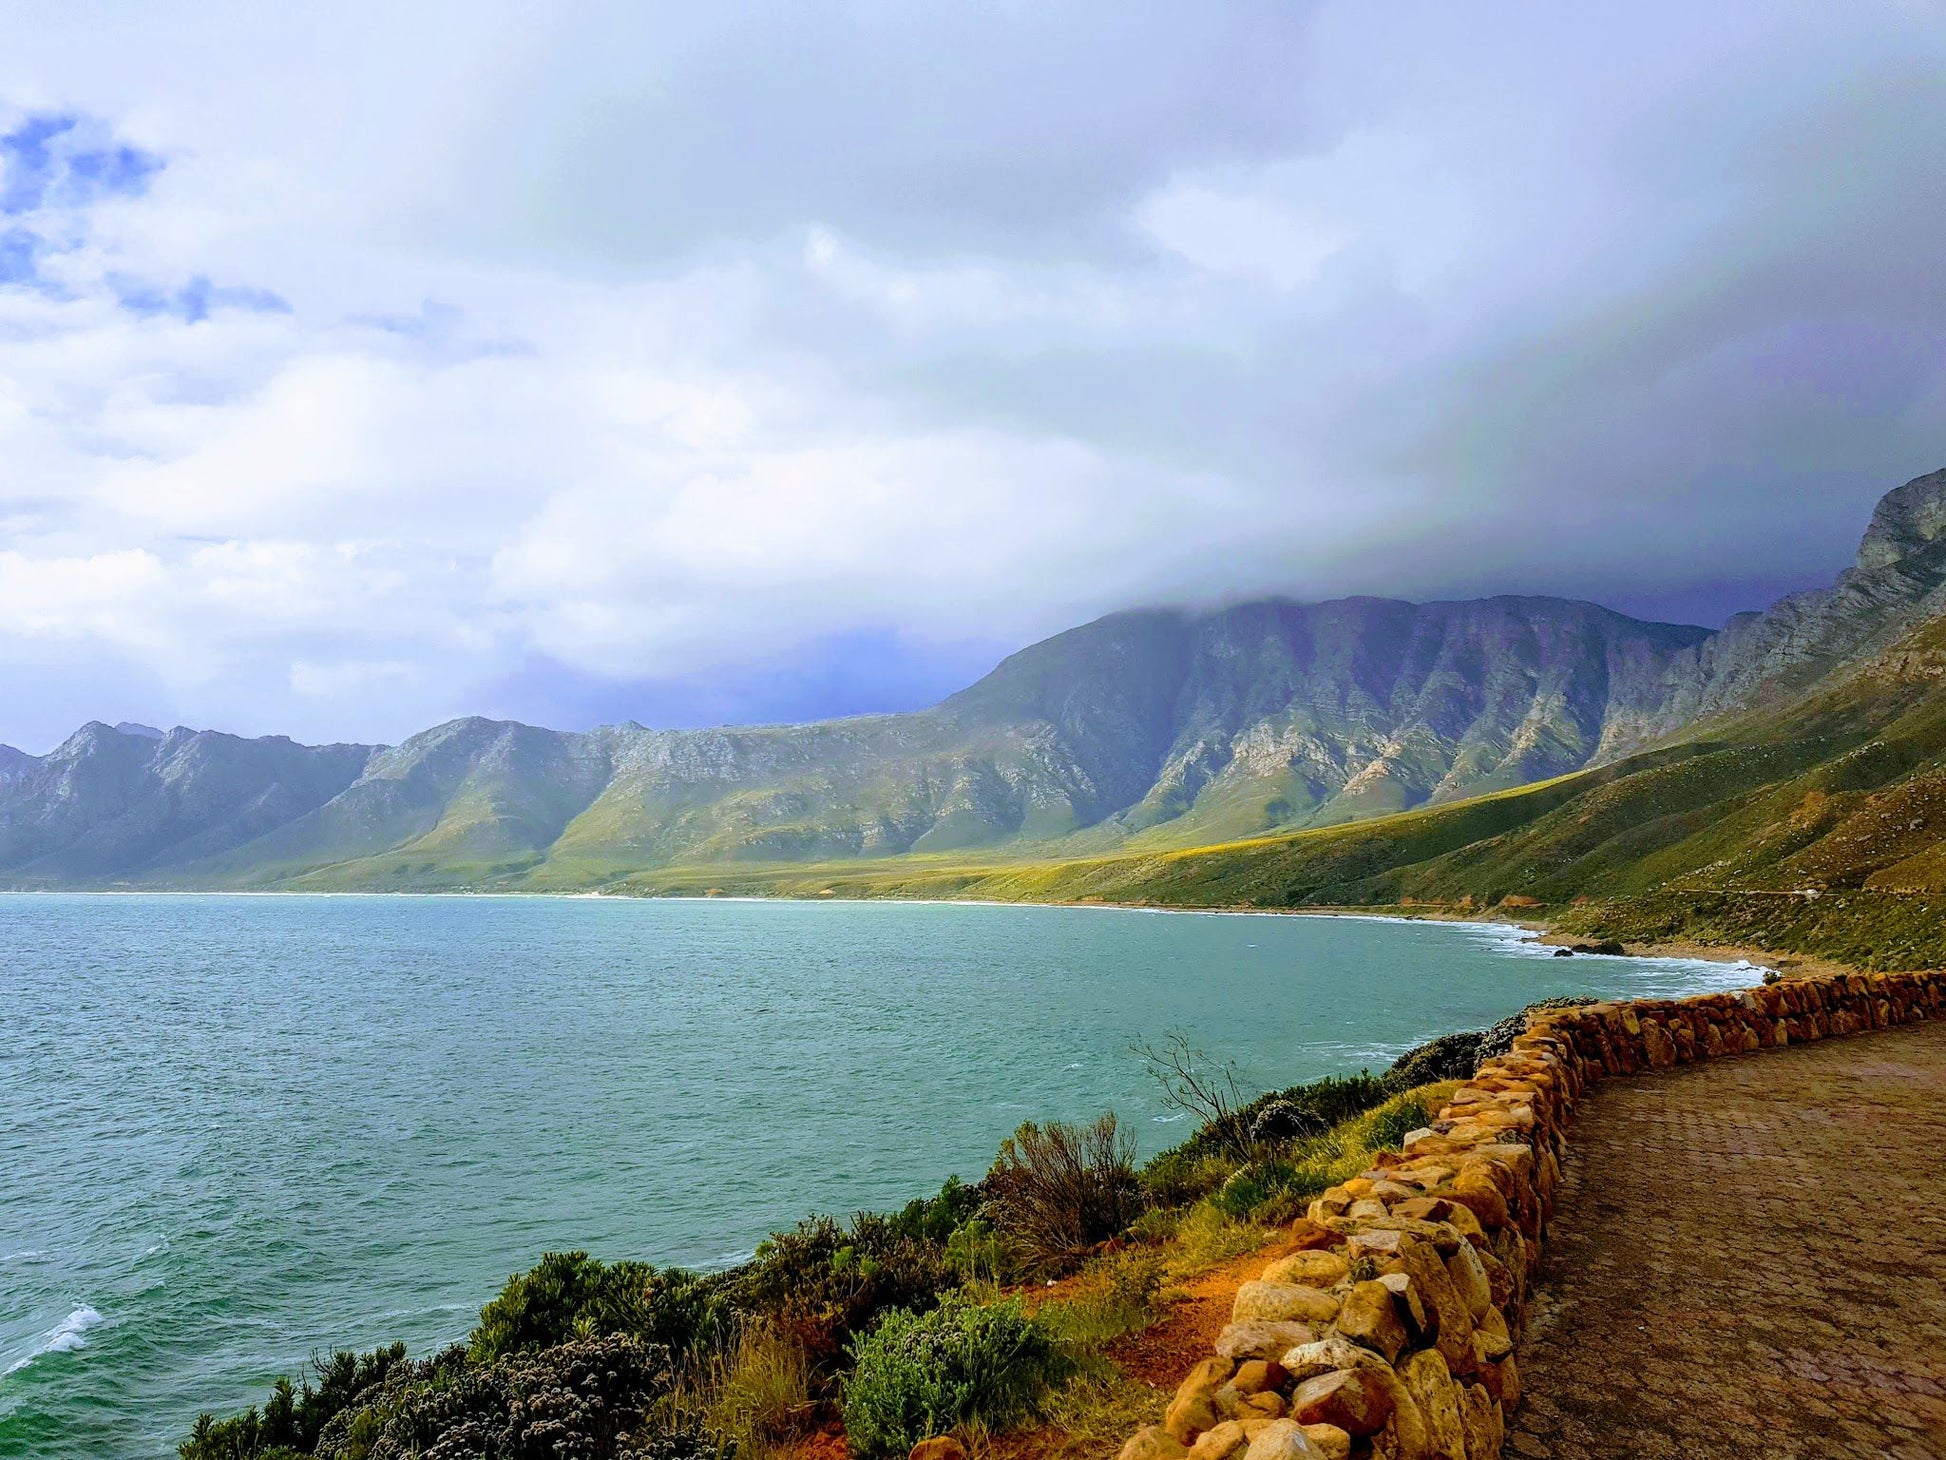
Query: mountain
[14, 763]
[1142, 732]
[1162, 725]
[108, 804]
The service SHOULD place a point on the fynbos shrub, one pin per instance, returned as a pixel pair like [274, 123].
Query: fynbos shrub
[916, 1376]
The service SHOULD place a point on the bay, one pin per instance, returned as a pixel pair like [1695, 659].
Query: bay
[237, 1131]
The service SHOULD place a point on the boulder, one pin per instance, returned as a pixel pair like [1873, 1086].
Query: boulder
[1405, 1299]
[1485, 1430]
[1469, 1276]
[1282, 1302]
[1315, 1269]
[1440, 1400]
[1253, 1376]
[1333, 1351]
[1153, 1443]
[1405, 1436]
[1307, 1235]
[1491, 1340]
[1370, 1318]
[1357, 1401]
[1452, 1322]
[1283, 1439]
[939, 1447]
[1222, 1442]
[1262, 1339]
[1502, 1381]
[1331, 1441]
[1194, 1407]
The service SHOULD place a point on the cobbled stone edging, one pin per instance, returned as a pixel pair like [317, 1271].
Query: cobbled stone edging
[1389, 1332]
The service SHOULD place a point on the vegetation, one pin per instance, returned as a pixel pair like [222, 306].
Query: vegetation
[571, 1295]
[1058, 1190]
[962, 1364]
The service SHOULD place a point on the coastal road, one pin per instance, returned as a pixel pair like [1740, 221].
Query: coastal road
[1748, 1258]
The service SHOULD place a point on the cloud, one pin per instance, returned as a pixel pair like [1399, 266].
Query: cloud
[750, 361]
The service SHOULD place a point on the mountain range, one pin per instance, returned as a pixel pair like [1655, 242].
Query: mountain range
[1142, 733]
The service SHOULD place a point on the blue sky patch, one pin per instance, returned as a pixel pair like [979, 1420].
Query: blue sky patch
[57, 159]
[192, 302]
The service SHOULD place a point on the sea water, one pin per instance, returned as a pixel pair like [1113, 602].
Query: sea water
[237, 1132]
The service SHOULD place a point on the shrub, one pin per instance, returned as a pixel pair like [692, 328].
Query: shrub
[572, 1295]
[936, 1219]
[822, 1283]
[1058, 1190]
[589, 1398]
[1182, 1175]
[1449, 1057]
[1116, 1294]
[292, 1419]
[919, 1375]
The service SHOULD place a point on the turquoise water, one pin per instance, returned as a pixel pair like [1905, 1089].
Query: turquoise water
[237, 1131]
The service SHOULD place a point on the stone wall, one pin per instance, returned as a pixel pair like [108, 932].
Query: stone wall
[1388, 1330]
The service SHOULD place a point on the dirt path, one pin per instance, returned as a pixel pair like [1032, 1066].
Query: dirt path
[1749, 1259]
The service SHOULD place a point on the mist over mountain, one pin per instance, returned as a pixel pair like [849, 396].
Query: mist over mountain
[1153, 728]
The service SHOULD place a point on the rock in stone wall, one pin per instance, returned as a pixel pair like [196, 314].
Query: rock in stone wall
[1389, 1333]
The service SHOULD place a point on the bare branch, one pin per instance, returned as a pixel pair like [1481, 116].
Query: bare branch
[1191, 1083]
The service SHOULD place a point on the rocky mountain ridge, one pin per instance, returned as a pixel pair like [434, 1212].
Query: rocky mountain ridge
[1152, 728]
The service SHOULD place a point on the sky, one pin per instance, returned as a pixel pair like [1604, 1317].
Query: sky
[366, 365]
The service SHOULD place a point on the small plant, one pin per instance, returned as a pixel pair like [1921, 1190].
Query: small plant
[1392, 1123]
[960, 1365]
[1116, 1294]
[1058, 1190]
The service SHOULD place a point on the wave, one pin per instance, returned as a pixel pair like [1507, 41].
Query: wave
[64, 1337]
[30, 1254]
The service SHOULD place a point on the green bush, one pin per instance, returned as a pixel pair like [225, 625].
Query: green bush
[822, 1283]
[936, 1219]
[1183, 1174]
[292, 1419]
[572, 1295]
[919, 1375]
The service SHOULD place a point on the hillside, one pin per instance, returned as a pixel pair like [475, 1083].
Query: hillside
[1153, 728]
[1819, 827]
[1360, 751]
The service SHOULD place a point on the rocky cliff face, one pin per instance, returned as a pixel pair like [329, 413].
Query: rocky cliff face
[108, 803]
[1158, 727]
[1897, 583]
